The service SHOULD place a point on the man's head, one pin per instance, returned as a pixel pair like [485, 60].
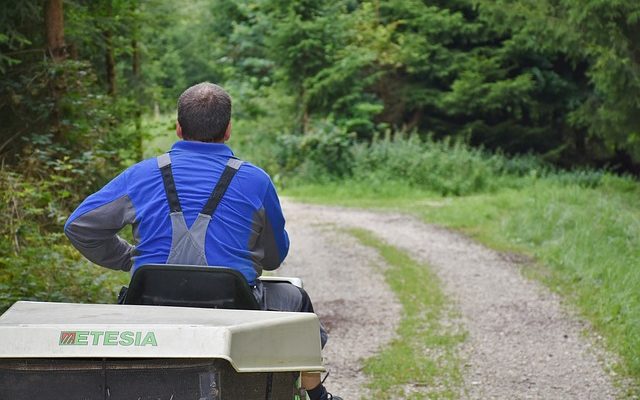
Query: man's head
[204, 113]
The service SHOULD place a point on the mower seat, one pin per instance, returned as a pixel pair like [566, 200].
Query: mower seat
[190, 286]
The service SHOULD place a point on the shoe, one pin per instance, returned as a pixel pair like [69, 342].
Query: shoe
[329, 396]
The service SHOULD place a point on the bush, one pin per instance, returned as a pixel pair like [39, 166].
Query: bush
[47, 179]
[444, 167]
[323, 153]
[36, 261]
[584, 178]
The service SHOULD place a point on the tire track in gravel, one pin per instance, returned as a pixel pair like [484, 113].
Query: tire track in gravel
[522, 343]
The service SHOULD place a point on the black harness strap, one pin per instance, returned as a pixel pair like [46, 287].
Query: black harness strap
[164, 162]
[229, 172]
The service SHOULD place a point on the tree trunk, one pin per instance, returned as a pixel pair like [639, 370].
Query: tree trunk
[304, 117]
[57, 52]
[109, 58]
[110, 63]
[135, 58]
[54, 25]
[414, 121]
[135, 75]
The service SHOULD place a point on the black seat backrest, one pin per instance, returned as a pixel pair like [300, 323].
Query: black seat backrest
[190, 286]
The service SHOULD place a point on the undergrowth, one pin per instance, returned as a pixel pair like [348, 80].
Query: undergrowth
[36, 260]
[445, 168]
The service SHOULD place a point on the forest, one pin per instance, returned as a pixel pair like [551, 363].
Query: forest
[559, 79]
[443, 98]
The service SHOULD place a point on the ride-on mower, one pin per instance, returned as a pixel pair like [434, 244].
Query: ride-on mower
[183, 333]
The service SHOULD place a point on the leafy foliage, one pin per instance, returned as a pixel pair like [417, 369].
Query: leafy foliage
[513, 75]
[36, 262]
[591, 60]
[445, 167]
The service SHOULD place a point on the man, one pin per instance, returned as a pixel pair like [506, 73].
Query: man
[196, 205]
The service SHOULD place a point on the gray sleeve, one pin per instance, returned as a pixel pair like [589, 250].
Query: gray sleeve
[95, 234]
[262, 244]
[274, 237]
[272, 257]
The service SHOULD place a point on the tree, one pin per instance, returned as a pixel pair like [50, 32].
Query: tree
[57, 51]
[54, 23]
[592, 48]
[109, 57]
[609, 35]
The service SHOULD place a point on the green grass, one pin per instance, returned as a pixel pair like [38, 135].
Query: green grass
[358, 194]
[160, 133]
[586, 241]
[422, 362]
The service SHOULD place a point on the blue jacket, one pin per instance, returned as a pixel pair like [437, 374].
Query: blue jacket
[246, 232]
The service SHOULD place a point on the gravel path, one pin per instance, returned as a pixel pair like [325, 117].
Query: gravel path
[522, 343]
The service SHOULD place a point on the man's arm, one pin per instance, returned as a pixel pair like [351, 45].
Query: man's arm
[274, 237]
[93, 227]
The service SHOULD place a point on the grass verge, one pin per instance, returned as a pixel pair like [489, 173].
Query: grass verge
[422, 362]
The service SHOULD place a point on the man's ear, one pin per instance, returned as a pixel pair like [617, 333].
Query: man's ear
[227, 133]
[178, 130]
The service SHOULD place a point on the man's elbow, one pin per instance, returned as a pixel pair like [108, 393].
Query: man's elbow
[71, 232]
[272, 261]
[270, 266]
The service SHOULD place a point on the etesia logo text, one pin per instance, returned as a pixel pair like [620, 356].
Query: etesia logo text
[107, 338]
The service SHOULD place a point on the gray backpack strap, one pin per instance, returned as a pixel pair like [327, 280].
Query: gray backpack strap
[230, 170]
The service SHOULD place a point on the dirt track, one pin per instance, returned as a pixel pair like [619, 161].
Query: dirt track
[522, 343]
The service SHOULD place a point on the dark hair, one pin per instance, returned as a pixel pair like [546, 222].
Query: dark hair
[204, 112]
